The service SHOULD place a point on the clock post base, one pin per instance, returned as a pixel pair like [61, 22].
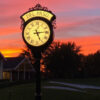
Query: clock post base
[38, 76]
[38, 97]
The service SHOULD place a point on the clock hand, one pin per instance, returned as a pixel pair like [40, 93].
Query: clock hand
[43, 32]
[39, 38]
[38, 35]
[40, 32]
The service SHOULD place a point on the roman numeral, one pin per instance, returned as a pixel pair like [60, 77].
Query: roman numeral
[37, 23]
[32, 24]
[37, 42]
[32, 41]
[46, 32]
[27, 33]
[28, 38]
[45, 27]
[28, 28]
[45, 37]
[41, 24]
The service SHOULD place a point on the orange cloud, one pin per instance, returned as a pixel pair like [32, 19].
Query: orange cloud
[9, 30]
[11, 43]
[88, 44]
[11, 52]
[11, 48]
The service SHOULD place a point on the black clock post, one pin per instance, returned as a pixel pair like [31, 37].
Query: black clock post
[37, 56]
[38, 20]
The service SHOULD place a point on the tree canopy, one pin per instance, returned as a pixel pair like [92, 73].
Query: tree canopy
[62, 60]
[92, 65]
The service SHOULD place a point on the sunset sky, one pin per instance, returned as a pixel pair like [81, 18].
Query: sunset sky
[77, 21]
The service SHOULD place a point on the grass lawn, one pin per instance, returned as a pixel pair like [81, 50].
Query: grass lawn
[27, 91]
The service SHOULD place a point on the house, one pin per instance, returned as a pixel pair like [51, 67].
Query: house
[1, 65]
[16, 68]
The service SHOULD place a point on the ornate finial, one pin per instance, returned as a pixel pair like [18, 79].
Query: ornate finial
[39, 7]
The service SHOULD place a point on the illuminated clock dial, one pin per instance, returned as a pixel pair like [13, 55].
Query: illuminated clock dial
[37, 33]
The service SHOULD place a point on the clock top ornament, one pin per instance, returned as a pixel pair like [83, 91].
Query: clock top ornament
[41, 12]
[37, 27]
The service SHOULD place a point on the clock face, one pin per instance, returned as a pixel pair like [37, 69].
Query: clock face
[37, 33]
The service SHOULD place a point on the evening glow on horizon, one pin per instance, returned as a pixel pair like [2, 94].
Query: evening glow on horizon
[77, 22]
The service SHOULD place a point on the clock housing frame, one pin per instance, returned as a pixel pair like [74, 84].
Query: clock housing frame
[49, 41]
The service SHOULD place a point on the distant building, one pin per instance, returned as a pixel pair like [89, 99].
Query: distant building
[16, 68]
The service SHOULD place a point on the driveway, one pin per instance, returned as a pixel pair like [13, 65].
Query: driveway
[77, 85]
[73, 87]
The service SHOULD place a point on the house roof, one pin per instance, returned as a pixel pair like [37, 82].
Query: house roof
[2, 57]
[12, 62]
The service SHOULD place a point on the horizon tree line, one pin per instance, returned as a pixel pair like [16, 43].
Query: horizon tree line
[64, 60]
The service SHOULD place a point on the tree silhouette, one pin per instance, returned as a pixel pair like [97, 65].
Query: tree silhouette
[62, 60]
[28, 54]
[92, 65]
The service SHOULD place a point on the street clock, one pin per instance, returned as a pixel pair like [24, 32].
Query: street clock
[38, 25]
[37, 32]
